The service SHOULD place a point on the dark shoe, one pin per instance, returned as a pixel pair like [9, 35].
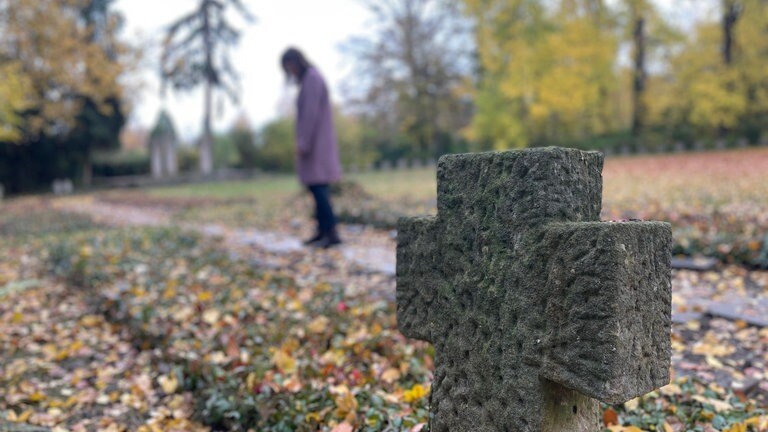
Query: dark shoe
[317, 237]
[329, 240]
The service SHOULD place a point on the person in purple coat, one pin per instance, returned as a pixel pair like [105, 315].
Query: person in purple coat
[317, 154]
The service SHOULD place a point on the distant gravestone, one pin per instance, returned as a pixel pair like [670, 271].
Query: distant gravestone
[742, 143]
[431, 162]
[626, 149]
[402, 164]
[680, 146]
[721, 144]
[385, 165]
[162, 148]
[536, 310]
[62, 187]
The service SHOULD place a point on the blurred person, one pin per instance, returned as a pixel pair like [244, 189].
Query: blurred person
[317, 154]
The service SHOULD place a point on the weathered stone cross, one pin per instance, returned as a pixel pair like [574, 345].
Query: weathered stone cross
[536, 310]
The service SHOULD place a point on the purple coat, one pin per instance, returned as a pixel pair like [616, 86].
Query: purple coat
[317, 153]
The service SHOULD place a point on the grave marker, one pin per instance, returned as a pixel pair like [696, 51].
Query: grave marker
[535, 308]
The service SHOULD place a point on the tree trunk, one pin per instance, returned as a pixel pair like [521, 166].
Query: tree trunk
[87, 168]
[206, 142]
[731, 14]
[639, 79]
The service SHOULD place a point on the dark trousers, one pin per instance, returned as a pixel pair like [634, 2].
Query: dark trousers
[326, 220]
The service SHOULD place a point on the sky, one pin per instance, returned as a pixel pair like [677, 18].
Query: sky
[317, 27]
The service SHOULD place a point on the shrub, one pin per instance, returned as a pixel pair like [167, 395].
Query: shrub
[121, 163]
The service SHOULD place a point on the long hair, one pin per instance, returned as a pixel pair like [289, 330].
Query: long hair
[295, 57]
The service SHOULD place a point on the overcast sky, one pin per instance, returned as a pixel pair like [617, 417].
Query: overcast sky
[317, 27]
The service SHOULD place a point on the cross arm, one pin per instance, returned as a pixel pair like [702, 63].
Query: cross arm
[419, 268]
[609, 287]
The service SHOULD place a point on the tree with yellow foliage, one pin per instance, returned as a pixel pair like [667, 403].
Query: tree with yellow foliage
[716, 84]
[70, 63]
[14, 90]
[58, 52]
[547, 73]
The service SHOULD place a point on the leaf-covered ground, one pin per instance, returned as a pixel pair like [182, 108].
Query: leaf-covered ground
[126, 328]
[163, 329]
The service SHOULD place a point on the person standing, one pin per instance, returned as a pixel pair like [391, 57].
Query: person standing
[317, 154]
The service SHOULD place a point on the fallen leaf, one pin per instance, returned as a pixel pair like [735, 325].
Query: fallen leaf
[319, 324]
[284, 361]
[610, 417]
[169, 383]
[416, 392]
[390, 375]
[718, 405]
[343, 427]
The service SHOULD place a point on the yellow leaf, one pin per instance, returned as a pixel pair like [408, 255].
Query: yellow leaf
[21, 418]
[36, 397]
[416, 392]
[169, 383]
[390, 375]
[204, 296]
[713, 362]
[319, 324]
[632, 404]
[250, 381]
[313, 417]
[90, 320]
[617, 428]
[86, 252]
[671, 389]
[668, 427]
[718, 405]
[284, 362]
[211, 316]
[345, 403]
[343, 427]
[17, 318]
[292, 384]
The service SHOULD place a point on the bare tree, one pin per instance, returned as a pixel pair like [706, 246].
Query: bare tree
[408, 72]
[196, 52]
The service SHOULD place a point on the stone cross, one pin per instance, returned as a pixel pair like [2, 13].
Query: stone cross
[536, 309]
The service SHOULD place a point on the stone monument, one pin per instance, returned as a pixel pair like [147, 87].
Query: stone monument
[536, 309]
[162, 148]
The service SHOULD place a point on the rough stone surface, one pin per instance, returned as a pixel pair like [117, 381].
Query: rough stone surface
[535, 308]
